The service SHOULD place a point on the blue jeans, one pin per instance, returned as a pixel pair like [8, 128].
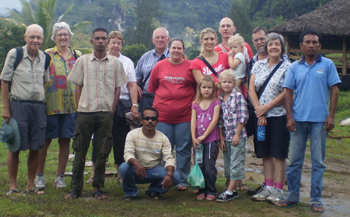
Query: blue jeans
[154, 176]
[179, 135]
[299, 137]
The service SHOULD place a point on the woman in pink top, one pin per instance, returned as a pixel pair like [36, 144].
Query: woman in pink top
[219, 61]
[174, 86]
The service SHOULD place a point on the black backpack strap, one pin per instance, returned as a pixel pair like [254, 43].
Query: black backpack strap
[47, 60]
[209, 66]
[19, 57]
[262, 88]
[75, 54]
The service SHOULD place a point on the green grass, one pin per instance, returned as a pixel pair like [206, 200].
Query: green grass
[175, 204]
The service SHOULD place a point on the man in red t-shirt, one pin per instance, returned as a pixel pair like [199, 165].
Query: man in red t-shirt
[227, 29]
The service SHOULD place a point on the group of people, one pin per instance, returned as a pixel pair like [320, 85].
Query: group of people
[181, 103]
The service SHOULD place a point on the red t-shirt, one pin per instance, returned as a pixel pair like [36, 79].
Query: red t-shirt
[174, 87]
[218, 49]
[219, 66]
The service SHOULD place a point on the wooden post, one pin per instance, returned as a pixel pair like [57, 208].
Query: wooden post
[345, 63]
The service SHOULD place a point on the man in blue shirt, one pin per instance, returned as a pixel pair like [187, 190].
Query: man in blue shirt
[146, 63]
[313, 79]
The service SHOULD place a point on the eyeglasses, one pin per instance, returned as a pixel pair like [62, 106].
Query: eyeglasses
[259, 39]
[160, 37]
[62, 34]
[32, 37]
[149, 118]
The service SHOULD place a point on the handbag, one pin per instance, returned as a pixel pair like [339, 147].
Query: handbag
[252, 120]
[123, 107]
[196, 178]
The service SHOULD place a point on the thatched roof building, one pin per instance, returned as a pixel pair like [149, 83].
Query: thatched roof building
[332, 21]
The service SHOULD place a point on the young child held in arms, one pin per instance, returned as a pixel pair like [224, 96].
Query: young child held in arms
[233, 136]
[237, 61]
[204, 130]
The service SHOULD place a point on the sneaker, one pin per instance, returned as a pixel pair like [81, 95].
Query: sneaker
[39, 182]
[276, 197]
[59, 183]
[261, 195]
[224, 197]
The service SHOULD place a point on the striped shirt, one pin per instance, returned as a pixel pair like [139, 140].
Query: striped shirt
[99, 79]
[233, 112]
[148, 151]
[146, 64]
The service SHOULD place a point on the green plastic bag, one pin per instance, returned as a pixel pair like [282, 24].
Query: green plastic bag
[196, 178]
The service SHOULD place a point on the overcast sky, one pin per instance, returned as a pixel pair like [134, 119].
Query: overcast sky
[9, 4]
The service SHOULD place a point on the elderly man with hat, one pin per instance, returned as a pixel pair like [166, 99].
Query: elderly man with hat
[23, 76]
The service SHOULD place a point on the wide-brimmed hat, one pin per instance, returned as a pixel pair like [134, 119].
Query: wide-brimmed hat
[9, 133]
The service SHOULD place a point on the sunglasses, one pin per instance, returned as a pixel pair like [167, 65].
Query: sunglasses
[149, 118]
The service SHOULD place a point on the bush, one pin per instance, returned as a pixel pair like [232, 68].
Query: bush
[134, 52]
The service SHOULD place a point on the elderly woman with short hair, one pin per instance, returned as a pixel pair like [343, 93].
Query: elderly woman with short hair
[270, 113]
[60, 102]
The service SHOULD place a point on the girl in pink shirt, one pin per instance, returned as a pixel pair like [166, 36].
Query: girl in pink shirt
[204, 130]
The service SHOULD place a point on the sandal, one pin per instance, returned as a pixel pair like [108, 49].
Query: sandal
[90, 180]
[73, 194]
[242, 187]
[196, 191]
[201, 196]
[15, 192]
[287, 204]
[128, 198]
[37, 190]
[154, 195]
[99, 195]
[181, 188]
[210, 197]
[318, 208]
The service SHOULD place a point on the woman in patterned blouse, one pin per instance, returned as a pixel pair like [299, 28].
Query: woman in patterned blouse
[270, 113]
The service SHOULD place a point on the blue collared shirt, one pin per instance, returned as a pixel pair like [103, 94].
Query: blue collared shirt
[146, 64]
[311, 87]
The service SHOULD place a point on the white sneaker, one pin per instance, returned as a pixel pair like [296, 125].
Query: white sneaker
[39, 182]
[276, 197]
[261, 195]
[59, 183]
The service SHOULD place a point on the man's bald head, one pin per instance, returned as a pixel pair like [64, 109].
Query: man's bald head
[34, 37]
[227, 27]
[34, 27]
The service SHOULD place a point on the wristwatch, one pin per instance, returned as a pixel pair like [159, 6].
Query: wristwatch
[135, 105]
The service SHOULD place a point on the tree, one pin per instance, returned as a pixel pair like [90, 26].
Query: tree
[239, 13]
[134, 51]
[44, 16]
[147, 12]
[11, 35]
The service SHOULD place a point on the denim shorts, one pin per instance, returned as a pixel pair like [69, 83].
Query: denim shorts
[61, 125]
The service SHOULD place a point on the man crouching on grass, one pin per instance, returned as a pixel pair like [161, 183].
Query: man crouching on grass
[145, 148]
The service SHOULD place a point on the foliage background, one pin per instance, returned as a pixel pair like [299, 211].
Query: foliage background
[184, 19]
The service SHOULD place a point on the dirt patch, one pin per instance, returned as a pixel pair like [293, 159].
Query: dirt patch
[336, 180]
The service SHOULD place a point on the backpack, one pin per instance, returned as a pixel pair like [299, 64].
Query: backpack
[19, 57]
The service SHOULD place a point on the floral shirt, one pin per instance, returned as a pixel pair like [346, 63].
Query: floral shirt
[275, 86]
[233, 112]
[60, 92]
